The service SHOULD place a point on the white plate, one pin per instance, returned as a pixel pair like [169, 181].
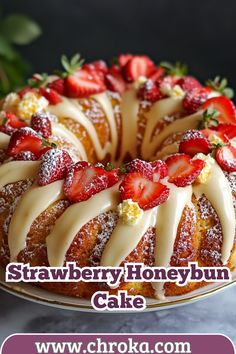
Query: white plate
[33, 293]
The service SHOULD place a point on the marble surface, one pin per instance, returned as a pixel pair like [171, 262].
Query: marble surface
[213, 315]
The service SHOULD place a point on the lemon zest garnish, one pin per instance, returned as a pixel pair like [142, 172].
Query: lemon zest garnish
[206, 171]
[30, 104]
[129, 212]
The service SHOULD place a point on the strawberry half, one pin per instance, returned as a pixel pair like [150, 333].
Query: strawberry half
[143, 167]
[148, 91]
[54, 165]
[146, 193]
[114, 80]
[26, 156]
[84, 83]
[226, 158]
[51, 95]
[24, 139]
[188, 83]
[41, 123]
[227, 129]
[139, 65]
[157, 74]
[123, 59]
[209, 132]
[160, 170]
[225, 107]
[13, 120]
[183, 171]
[194, 142]
[83, 181]
[195, 98]
[113, 176]
[58, 85]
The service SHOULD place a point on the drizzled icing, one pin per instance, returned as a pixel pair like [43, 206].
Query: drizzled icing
[124, 238]
[24, 216]
[73, 219]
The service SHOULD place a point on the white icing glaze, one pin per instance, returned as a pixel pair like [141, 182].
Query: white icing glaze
[70, 108]
[4, 140]
[73, 219]
[39, 199]
[125, 238]
[14, 171]
[59, 129]
[169, 216]
[218, 192]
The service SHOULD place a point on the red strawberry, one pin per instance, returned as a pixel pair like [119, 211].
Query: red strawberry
[24, 139]
[58, 85]
[157, 74]
[12, 120]
[84, 83]
[99, 65]
[148, 91]
[139, 65]
[145, 192]
[43, 151]
[169, 80]
[123, 59]
[40, 122]
[54, 165]
[226, 158]
[225, 107]
[189, 83]
[193, 142]
[183, 171]
[82, 182]
[208, 132]
[51, 95]
[113, 176]
[160, 170]
[195, 98]
[143, 167]
[25, 90]
[227, 129]
[26, 156]
[114, 80]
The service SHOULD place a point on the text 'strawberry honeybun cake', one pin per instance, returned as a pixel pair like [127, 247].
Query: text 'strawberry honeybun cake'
[135, 162]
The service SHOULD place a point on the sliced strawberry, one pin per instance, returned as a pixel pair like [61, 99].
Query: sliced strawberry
[160, 170]
[24, 139]
[58, 85]
[82, 182]
[195, 98]
[12, 120]
[139, 65]
[84, 83]
[209, 132]
[114, 80]
[189, 83]
[54, 165]
[41, 123]
[148, 91]
[225, 107]
[51, 95]
[194, 142]
[146, 193]
[226, 158]
[157, 74]
[143, 167]
[183, 171]
[123, 59]
[25, 90]
[113, 176]
[26, 156]
[227, 129]
[99, 65]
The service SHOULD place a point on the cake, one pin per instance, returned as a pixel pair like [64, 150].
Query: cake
[135, 162]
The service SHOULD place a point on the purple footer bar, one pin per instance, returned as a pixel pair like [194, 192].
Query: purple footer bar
[117, 344]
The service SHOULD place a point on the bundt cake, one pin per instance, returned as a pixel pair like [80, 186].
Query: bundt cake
[101, 165]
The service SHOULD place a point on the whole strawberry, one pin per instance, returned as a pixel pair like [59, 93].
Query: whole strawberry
[41, 123]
